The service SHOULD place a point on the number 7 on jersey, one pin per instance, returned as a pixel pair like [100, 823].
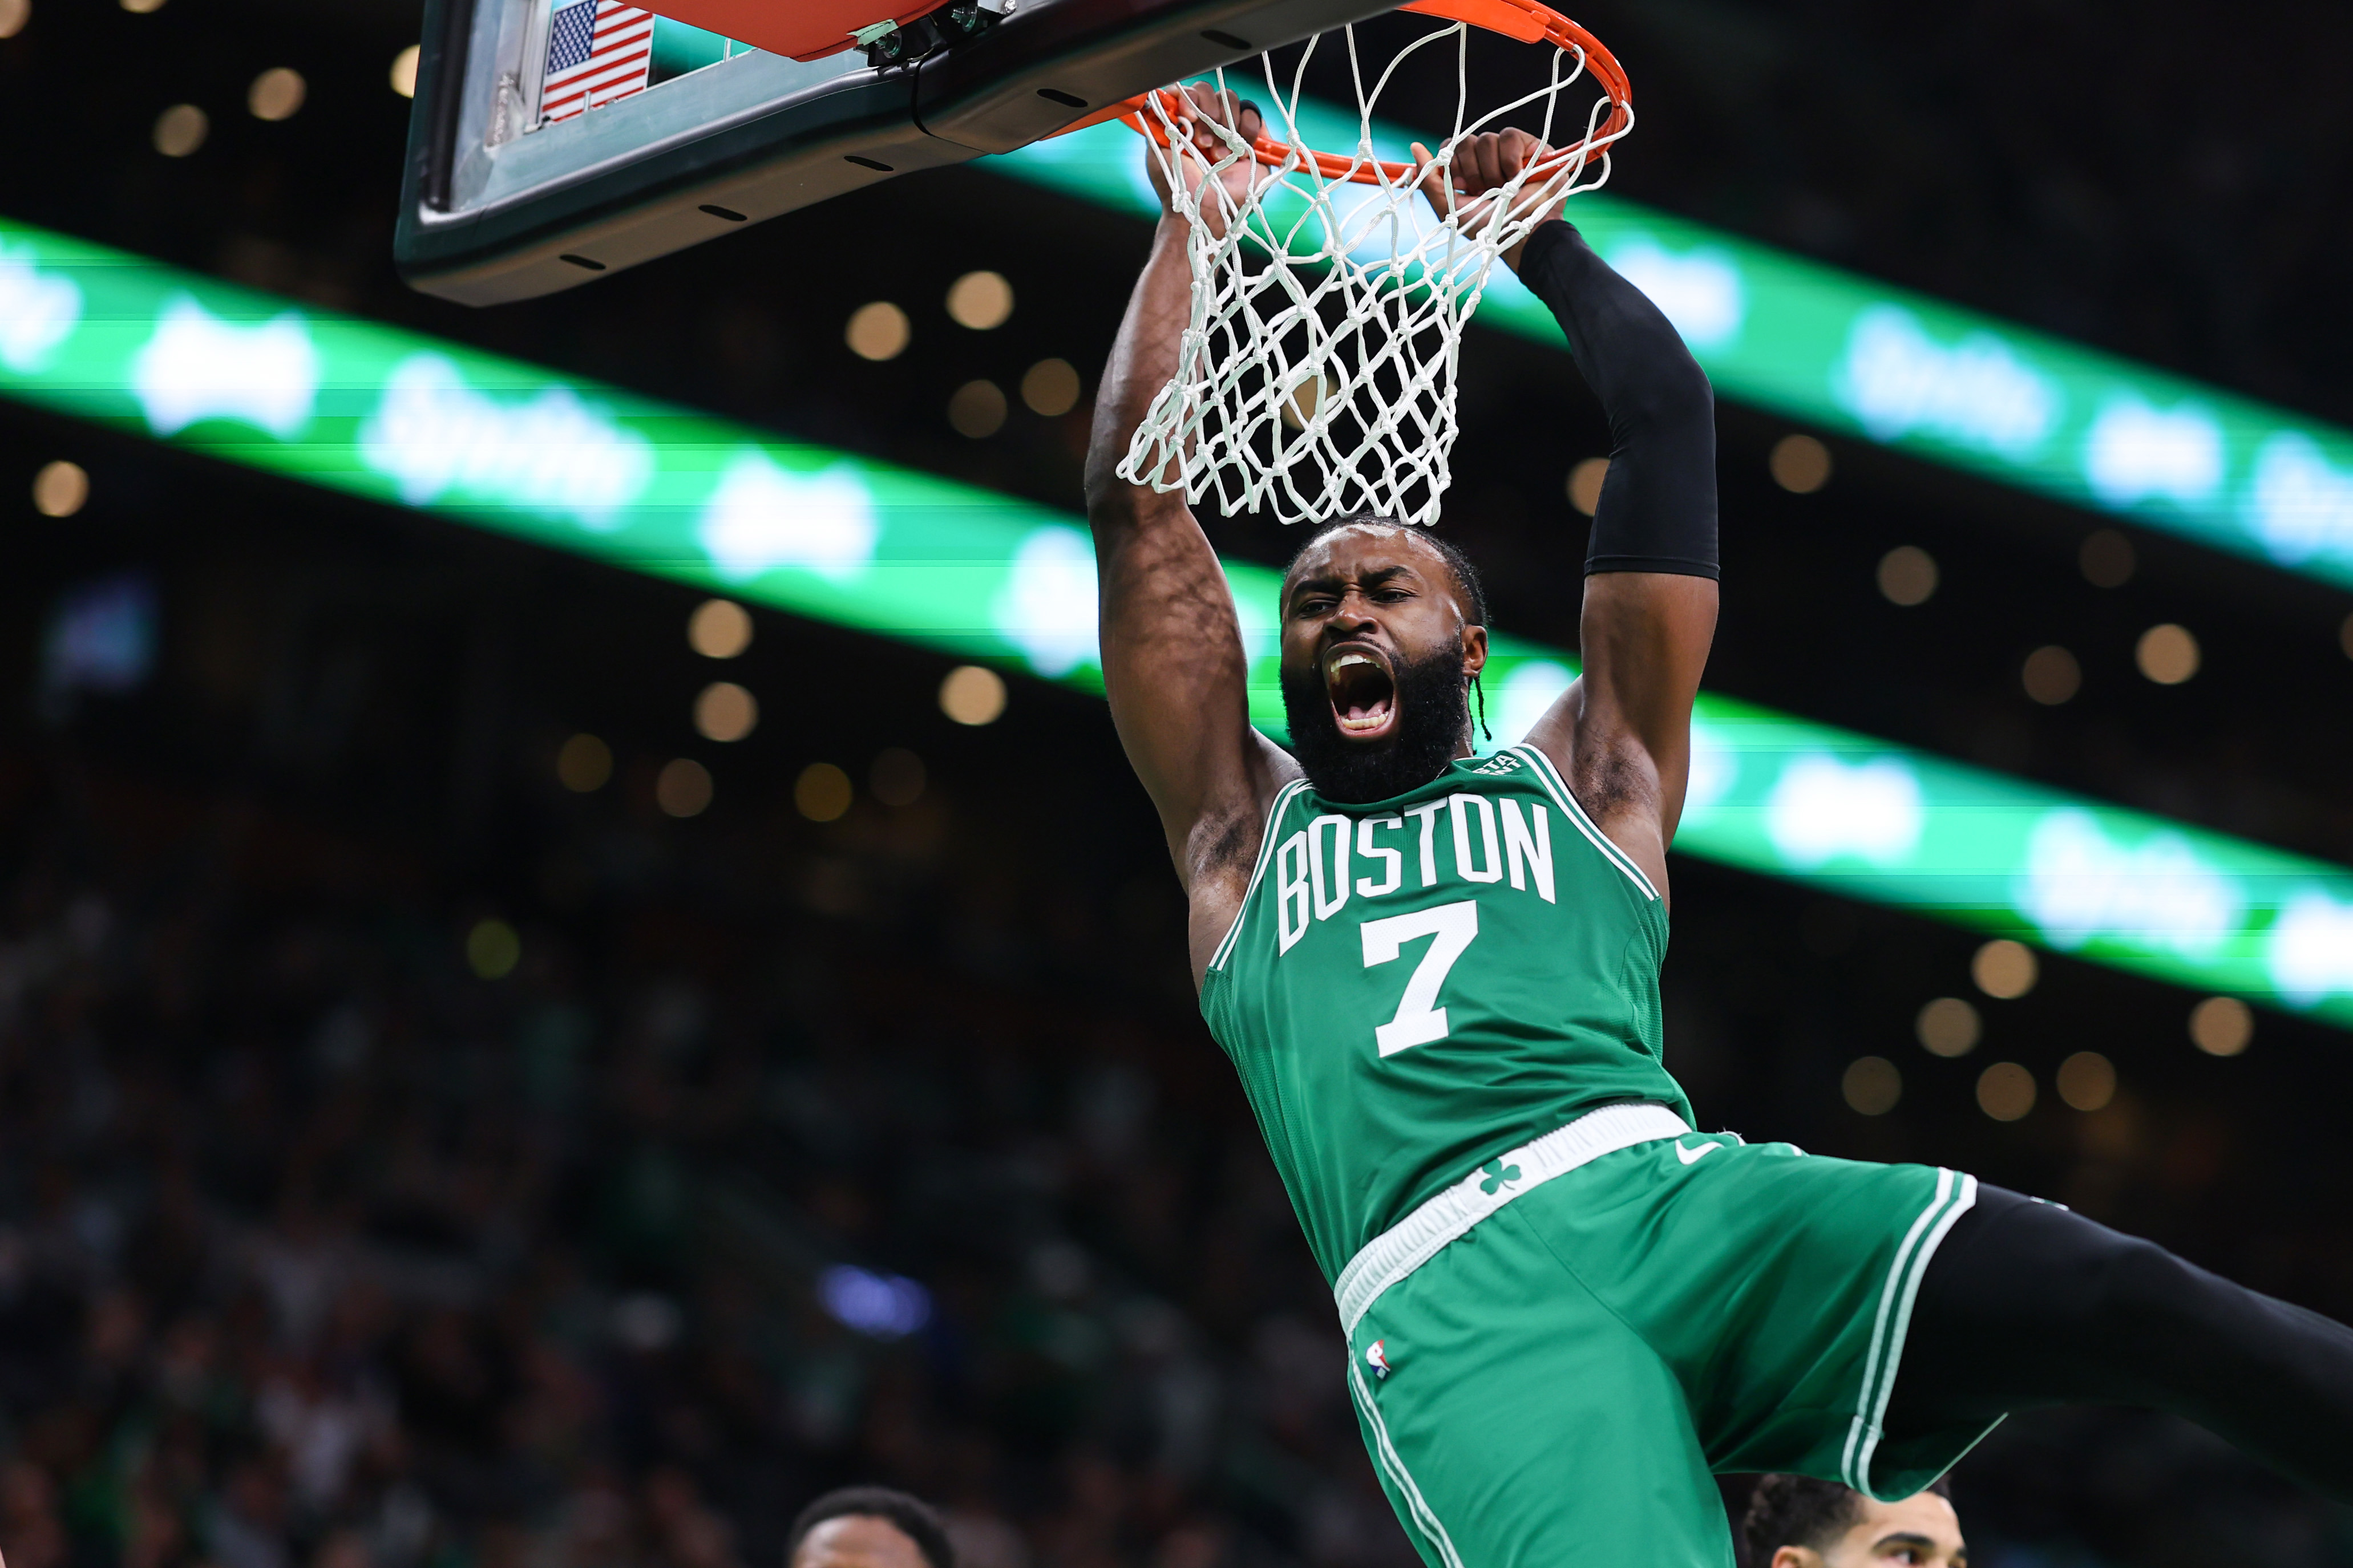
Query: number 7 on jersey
[1451, 928]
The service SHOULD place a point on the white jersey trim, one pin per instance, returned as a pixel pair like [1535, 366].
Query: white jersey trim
[1425, 1518]
[1557, 787]
[1225, 949]
[1955, 1194]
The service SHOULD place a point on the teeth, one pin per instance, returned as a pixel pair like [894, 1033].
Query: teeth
[1356, 720]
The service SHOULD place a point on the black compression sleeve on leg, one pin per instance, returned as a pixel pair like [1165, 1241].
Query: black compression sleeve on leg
[1658, 505]
[2027, 1304]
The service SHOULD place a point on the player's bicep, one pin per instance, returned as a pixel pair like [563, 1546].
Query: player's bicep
[1646, 636]
[1177, 673]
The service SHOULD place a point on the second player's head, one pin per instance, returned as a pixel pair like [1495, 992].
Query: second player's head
[1794, 1521]
[1384, 629]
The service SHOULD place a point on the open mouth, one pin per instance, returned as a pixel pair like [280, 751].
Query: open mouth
[1364, 693]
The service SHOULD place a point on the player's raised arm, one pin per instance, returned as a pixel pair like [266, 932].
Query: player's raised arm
[1621, 735]
[1173, 665]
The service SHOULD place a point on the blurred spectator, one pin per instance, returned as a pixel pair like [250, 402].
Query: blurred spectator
[317, 1251]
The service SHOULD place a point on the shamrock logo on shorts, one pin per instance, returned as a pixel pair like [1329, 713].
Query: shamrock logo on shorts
[1497, 1174]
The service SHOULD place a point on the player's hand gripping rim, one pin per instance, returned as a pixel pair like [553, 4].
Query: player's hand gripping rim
[1474, 188]
[1213, 153]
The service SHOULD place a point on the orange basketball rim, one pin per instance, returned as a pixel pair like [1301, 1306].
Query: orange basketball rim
[1528, 21]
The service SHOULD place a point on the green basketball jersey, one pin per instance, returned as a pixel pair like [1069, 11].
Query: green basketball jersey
[1416, 985]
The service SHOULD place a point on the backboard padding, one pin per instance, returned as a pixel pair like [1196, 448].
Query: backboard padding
[496, 207]
[802, 30]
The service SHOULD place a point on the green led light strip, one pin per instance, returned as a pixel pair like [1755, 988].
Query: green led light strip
[1846, 353]
[398, 417]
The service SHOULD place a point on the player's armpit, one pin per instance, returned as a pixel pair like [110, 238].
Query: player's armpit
[1621, 735]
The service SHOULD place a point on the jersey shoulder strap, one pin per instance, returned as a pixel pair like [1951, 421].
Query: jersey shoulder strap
[1557, 788]
[1267, 837]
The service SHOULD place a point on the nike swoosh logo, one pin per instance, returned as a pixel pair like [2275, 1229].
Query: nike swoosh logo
[1693, 1156]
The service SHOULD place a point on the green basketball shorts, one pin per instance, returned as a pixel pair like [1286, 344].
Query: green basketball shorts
[1552, 1358]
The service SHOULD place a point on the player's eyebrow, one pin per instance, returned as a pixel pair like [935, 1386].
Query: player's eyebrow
[1907, 1538]
[1332, 582]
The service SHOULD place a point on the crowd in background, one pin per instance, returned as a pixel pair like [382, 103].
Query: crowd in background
[320, 1250]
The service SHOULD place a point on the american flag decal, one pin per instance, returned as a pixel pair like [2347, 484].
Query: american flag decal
[598, 50]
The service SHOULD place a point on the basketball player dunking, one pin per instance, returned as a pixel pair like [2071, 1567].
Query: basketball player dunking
[1436, 974]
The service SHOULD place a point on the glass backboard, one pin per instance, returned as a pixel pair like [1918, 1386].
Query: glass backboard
[554, 141]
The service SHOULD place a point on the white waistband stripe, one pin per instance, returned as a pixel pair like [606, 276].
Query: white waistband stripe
[1423, 1233]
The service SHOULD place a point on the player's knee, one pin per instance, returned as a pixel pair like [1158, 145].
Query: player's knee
[2139, 1288]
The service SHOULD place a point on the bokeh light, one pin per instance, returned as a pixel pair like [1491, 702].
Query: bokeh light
[683, 788]
[719, 628]
[60, 490]
[2005, 1091]
[2050, 676]
[492, 949]
[973, 694]
[878, 332]
[981, 300]
[584, 764]
[2107, 559]
[1907, 576]
[881, 1306]
[1585, 484]
[2004, 969]
[2221, 1025]
[181, 130]
[1872, 1086]
[277, 94]
[2087, 1081]
[977, 409]
[2167, 654]
[1948, 1026]
[1051, 387]
[1799, 464]
[1307, 396]
[726, 712]
[822, 793]
[403, 72]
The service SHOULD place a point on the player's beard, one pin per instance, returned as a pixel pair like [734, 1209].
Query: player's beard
[1433, 720]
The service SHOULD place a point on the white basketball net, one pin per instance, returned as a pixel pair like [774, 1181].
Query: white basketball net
[1317, 375]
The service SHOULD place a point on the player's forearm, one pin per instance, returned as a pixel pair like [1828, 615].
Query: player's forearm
[1143, 359]
[1658, 505]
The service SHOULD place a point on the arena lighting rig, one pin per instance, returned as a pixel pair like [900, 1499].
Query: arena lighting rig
[395, 416]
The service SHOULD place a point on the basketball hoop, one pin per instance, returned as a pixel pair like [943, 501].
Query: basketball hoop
[1317, 375]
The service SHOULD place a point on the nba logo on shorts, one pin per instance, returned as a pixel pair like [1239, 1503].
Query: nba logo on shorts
[1376, 1357]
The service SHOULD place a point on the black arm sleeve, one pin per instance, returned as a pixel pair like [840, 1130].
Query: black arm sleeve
[1658, 505]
